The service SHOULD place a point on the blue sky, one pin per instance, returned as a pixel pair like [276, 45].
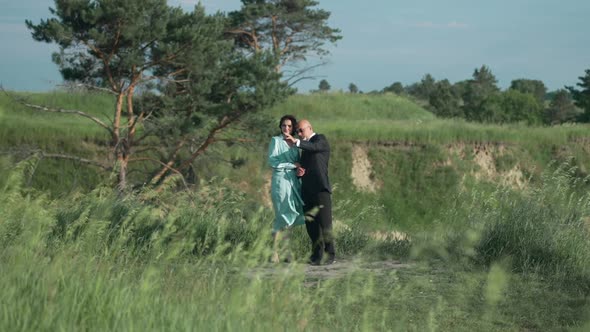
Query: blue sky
[384, 41]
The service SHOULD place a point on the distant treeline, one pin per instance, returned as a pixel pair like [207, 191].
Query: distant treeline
[480, 99]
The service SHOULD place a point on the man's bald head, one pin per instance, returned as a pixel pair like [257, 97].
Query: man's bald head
[304, 122]
[304, 129]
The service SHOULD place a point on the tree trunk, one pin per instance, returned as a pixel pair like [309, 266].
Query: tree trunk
[166, 167]
[122, 178]
[119, 150]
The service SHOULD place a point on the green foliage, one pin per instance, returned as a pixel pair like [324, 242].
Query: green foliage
[352, 88]
[517, 106]
[479, 92]
[324, 86]
[204, 83]
[460, 87]
[444, 101]
[543, 230]
[383, 119]
[216, 219]
[507, 260]
[96, 263]
[98, 26]
[291, 30]
[347, 108]
[561, 109]
[23, 128]
[421, 189]
[484, 103]
[535, 87]
[424, 88]
[582, 96]
[395, 87]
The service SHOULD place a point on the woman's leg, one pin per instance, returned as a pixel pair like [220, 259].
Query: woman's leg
[276, 235]
[281, 246]
[286, 246]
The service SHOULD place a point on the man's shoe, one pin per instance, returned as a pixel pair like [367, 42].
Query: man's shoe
[331, 260]
[314, 262]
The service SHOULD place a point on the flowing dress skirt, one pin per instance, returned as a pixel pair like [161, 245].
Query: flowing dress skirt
[286, 199]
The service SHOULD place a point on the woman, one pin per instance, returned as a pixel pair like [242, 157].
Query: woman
[285, 185]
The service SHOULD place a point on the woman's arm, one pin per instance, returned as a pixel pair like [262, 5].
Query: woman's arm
[276, 158]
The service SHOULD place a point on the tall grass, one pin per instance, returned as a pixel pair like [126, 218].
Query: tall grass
[326, 107]
[196, 260]
[342, 116]
[449, 131]
[388, 120]
[542, 230]
[389, 117]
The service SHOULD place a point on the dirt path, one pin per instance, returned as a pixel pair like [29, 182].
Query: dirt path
[314, 274]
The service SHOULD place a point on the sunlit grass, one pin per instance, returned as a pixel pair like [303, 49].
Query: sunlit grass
[198, 261]
[390, 117]
[360, 117]
[52, 131]
[327, 107]
[480, 256]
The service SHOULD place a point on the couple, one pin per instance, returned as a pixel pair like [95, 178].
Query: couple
[300, 188]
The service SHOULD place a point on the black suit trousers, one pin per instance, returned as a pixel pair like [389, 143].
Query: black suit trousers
[318, 215]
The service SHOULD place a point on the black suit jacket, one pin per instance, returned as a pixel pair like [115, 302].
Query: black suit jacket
[315, 159]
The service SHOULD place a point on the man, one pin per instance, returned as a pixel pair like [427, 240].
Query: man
[316, 191]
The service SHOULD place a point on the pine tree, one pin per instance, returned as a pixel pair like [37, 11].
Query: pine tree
[582, 96]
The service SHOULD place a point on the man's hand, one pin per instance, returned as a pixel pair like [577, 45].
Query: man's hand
[290, 140]
[300, 171]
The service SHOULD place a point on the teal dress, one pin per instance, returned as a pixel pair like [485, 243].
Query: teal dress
[285, 189]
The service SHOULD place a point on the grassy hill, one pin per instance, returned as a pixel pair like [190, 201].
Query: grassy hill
[21, 126]
[491, 223]
[387, 150]
[24, 131]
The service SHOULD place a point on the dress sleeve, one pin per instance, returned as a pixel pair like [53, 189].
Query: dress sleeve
[277, 158]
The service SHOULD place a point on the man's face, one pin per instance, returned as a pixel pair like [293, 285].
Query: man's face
[304, 130]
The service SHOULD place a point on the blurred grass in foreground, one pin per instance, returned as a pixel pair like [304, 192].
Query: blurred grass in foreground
[197, 260]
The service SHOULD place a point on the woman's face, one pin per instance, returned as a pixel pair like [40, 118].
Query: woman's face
[286, 127]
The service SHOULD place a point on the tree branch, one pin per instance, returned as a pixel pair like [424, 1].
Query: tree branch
[58, 110]
[223, 123]
[75, 158]
[163, 165]
[42, 154]
[251, 40]
[299, 74]
[88, 86]
[105, 62]
[146, 149]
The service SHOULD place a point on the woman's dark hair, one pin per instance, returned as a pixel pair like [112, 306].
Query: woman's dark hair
[293, 122]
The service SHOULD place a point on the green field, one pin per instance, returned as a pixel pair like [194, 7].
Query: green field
[441, 225]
